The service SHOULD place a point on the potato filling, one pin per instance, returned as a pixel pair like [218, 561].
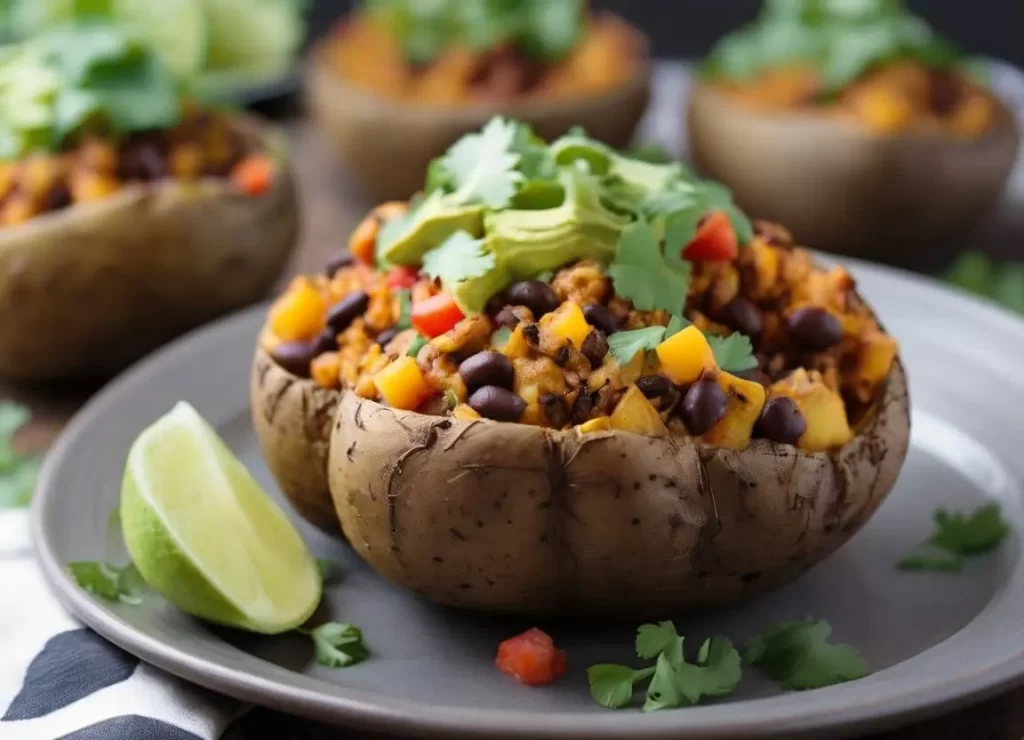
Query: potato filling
[90, 168]
[549, 351]
[368, 52]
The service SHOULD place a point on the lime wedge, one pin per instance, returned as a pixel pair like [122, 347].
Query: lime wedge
[175, 28]
[205, 535]
[255, 35]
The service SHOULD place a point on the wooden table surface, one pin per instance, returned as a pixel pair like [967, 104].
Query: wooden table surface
[330, 210]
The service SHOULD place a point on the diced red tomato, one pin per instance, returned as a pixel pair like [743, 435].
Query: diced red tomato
[253, 175]
[531, 658]
[715, 240]
[402, 277]
[433, 316]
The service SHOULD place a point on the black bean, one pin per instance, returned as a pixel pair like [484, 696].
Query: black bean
[595, 347]
[335, 263]
[582, 407]
[347, 310]
[385, 337]
[562, 356]
[815, 328]
[497, 403]
[487, 368]
[295, 357]
[555, 410]
[58, 197]
[703, 406]
[532, 333]
[326, 342]
[494, 305]
[151, 161]
[599, 316]
[781, 421]
[744, 317]
[537, 296]
[507, 317]
[944, 91]
[654, 386]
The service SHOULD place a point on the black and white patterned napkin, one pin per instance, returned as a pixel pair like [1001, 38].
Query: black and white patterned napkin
[60, 680]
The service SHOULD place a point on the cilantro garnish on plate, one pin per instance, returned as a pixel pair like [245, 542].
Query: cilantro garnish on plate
[110, 582]
[956, 537]
[799, 656]
[338, 644]
[674, 682]
[18, 473]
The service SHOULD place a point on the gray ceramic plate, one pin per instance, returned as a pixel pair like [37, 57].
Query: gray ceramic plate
[935, 641]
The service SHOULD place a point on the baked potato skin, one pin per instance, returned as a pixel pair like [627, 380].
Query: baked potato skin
[518, 519]
[902, 199]
[95, 286]
[369, 134]
[292, 417]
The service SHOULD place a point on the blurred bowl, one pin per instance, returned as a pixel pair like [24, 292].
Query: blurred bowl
[93, 287]
[386, 145]
[905, 199]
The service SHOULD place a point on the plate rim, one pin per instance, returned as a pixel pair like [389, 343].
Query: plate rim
[364, 709]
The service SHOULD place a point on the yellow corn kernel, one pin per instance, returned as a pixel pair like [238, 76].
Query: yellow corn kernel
[325, 370]
[883, 110]
[600, 424]
[463, 412]
[87, 187]
[567, 323]
[634, 413]
[299, 314]
[186, 161]
[685, 355]
[402, 384]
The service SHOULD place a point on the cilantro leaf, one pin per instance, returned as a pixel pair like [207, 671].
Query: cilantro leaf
[652, 639]
[339, 644]
[483, 165]
[650, 152]
[624, 345]
[641, 273]
[17, 473]
[459, 258]
[972, 534]
[798, 656]
[550, 29]
[665, 690]
[932, 558]
[717, 671]
[1004, 283]
[733, 353]
[108, 581]
[611, 685]
[675, 325]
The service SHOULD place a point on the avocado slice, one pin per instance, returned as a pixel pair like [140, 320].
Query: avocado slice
[529, 242]
[427, 227]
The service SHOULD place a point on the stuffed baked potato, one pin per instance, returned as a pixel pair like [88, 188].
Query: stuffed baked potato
[127, 215]
[602, 389]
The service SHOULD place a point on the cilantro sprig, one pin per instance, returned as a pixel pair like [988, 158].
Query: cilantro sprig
[1003, 283]
[544, 29]
[18, 473]
[460, 257]
[841, 39]
[733, 353]
[124, 584]
[958, 536]
[799, 656]
[642, 273]
[338, 644]
[674, 682]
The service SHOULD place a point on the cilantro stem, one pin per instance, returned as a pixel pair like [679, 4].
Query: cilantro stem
[644, 673]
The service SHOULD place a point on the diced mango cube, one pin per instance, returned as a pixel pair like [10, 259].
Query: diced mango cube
[634, 413]
[685, 355]
[567, 324]
[600, 424]
[822, 408]
[299, 314]
[745, 401]
[402, 384]
[464, 412]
